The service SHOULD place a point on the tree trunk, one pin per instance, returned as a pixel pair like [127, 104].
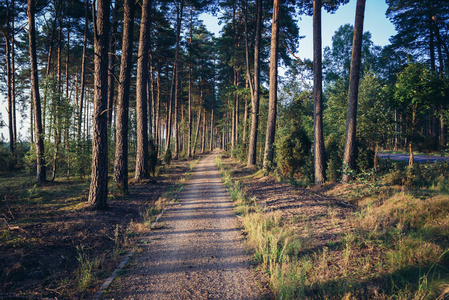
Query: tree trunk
[121, 146]
[189, 134]
[111, 62]
[40, 153]
[179, 11]
[98, 192]
[351, 117]
[83, 70]
[272, 105]
[141, 96]
[211, 146]
[203, 135]
[197, 132]
[318, 147]
[252, 149]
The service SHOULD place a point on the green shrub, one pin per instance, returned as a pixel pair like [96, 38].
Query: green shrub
[167, 157]
[293, 153]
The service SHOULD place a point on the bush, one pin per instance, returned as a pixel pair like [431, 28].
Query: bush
[293, 153]
[334, 154]
[152, 153]
[167, 157]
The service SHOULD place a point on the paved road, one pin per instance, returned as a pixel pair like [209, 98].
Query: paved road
[198, 254]
[417, 158]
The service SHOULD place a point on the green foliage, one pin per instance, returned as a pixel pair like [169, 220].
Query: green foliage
[168, 156]
[152, 161]
[293, 155]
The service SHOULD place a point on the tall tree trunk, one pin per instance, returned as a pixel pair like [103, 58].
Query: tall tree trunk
[203, 134]
[13, 73]
[83, 71]
[8, 90]
[252, 149]
[351, 117]
[121, 146]
[212, 113]
[170, 112]
[141, 97]
[179, 11]
[99, 178]
[272, 105]
[40, 154]
[111, 62]
[197, 133]
[318, 147]
[189, 134]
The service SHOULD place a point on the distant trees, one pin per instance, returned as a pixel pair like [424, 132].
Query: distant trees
[183, 91]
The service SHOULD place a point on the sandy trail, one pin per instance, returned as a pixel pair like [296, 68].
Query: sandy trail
[198, 254]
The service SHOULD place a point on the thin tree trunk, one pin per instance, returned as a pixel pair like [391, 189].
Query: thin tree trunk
[99, 178]
[272, 105]
[318, 147]
[197, 133]
[189, 140]
[252, 149]
[179, 11]
[141, 97]
[351, 121]
[40, 153]
[203, 135]
[83, 70]
[111, 62]
[121, 146]
[211, 146]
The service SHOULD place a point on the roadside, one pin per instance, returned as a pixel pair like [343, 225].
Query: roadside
[52, 246]
[416, 158]
[364, 240]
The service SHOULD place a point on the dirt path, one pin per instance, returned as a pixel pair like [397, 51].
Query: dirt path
[197, 254]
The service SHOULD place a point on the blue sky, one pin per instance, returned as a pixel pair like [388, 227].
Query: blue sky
[375, 22]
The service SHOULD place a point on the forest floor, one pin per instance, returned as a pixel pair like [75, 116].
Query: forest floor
[52, 245]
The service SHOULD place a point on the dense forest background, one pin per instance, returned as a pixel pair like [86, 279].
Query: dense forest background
[116, 87]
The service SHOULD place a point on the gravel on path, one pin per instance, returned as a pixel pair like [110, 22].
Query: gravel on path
[197, 253]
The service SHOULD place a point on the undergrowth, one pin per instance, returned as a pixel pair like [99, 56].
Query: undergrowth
[396, 247]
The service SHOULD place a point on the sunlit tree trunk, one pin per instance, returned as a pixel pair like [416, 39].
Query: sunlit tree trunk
[318, 147]
[252, 149]
[272, 105]
[141, 96]
[39, 139]
[121, 146]
[351, 117]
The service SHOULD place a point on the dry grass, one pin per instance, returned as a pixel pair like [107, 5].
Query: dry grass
[393, 242]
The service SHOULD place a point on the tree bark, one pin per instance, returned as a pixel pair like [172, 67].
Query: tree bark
[179, 11]
[39, 139]
[351, 118]
[318, 147]
[141, 96]
[99, 178]
[121, 146]
[189, 134]
[272, 105]
[111, 62]
[252, 149]
[83, 71]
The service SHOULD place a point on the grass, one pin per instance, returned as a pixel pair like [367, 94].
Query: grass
[397, 245]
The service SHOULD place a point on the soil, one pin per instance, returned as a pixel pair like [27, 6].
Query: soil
[40, 244]
[319, 220]
[197, 251]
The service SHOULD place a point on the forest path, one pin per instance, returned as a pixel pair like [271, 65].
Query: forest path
[198, 253]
